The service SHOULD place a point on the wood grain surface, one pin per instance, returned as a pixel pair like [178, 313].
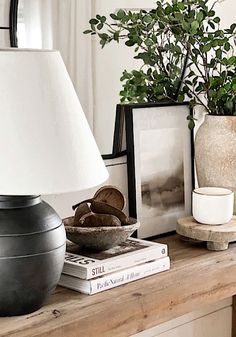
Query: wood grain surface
[197, 277]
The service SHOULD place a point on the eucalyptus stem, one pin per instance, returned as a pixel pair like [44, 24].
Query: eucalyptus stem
[199, 99]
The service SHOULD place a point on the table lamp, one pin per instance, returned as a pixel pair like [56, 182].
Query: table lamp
[46, 147]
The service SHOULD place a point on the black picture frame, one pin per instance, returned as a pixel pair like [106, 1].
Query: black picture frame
[157, 202]
[119, 143]
[13, 23]
[119, 140]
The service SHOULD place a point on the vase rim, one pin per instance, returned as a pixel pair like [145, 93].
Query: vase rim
[18, 201]
[213, 191]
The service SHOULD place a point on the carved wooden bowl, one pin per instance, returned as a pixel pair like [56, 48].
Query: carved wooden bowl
[99, 238]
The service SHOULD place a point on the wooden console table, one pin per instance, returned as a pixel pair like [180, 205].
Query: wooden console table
[197, 277]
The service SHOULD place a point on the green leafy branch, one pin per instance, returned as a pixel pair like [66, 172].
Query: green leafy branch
[184, 54]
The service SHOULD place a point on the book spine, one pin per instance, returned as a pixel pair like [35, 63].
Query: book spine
[115, 279]
[128, 275]
[138, 257]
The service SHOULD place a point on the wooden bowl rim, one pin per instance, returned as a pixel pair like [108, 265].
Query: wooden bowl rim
[74, 229]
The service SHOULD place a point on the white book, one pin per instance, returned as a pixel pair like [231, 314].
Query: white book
[115, 279]
[88, 265]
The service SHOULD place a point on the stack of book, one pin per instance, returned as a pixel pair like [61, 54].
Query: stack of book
[90, 272]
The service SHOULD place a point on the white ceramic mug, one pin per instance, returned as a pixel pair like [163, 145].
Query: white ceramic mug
[212, 205]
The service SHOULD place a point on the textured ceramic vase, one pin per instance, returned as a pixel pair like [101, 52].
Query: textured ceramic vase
[215, 152]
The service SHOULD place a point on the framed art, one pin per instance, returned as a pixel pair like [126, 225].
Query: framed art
[160, 165]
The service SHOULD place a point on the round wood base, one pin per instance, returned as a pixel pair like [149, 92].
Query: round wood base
[217, 237]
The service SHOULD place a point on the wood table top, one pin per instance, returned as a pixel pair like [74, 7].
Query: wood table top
[197, 277]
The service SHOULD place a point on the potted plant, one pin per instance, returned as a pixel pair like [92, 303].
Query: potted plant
[184, 55]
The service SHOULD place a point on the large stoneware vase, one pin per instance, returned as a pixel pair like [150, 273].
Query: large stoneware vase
[215, 152]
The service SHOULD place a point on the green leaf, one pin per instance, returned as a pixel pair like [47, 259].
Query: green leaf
[211, 13]
[100, 26]
[191, 124]
[130, 43]
[93, 21]
[88, 31]
[116, 36]
[195, 51]
[200, 87]
[113, 16]
[221, 42]
[192, 14]
[220, 93]
[179, 16]
[232, 61]
[219, 33]
[200, 16]
[168, 9]
[148, 42]
[211, 24]
[214, 43]
[181, 97]
[232, 27]
[206, 48]
[181, 5]
[103, 36]
[102, 43]
[154, 38]
[229, 105]
[191, 73]
[177, 49]
[147, 19]
[227, 86]
[186, 25]
[120, 14]
[194, 26]
[216, 19]
[188, 82]
[219, 53]
[227, 46]
[185, 89]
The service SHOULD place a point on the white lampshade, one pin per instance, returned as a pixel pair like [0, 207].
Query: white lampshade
[46, 145]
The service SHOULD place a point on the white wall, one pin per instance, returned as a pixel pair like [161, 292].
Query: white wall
[109, 64]
[226, 10]
[4, 13]
[4, 22]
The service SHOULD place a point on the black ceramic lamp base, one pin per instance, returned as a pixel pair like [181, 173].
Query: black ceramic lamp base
[32, 250]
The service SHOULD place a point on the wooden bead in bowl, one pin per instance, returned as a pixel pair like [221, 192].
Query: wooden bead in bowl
[110, 195]
[99, 220]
